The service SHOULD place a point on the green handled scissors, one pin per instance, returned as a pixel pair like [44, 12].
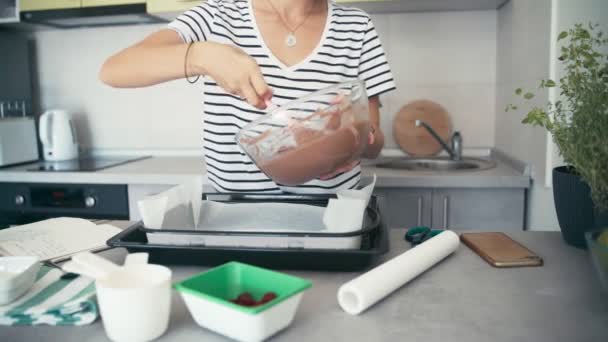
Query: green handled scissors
[418, 235]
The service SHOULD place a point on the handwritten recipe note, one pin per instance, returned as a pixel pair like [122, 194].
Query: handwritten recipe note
[55, 238]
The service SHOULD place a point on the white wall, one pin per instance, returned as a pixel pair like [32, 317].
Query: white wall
[523, 50]
[526, 50]
[568, 13]
[164, 117]
[448, 57]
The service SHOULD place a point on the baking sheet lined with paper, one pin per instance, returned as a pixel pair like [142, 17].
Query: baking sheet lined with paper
[179, 215]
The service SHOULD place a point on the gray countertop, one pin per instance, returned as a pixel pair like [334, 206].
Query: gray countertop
[155, 170]
[177, 170]
[460, 299]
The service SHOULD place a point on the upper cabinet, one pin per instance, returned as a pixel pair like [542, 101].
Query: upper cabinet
[169, 9]
[391, 6]
[39, 5]
[171, 6]
[92, 3]
[66, 14]
[99, 12]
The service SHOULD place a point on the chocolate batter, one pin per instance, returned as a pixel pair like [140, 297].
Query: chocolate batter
[316, 155]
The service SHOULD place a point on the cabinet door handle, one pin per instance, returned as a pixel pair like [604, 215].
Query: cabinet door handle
[446, 211]
[419, 211]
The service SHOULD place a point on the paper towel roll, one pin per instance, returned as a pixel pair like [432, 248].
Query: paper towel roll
[364, 291]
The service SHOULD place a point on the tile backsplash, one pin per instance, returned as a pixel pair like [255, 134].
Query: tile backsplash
[447, 57]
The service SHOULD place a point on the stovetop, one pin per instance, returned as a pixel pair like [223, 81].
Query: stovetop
[82, 164]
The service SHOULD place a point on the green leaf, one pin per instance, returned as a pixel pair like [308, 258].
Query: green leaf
[518, 91]
[562, 35]
[549, 83]
[528, 96]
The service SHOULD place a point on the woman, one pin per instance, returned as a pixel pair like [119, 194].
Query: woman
[249, 52]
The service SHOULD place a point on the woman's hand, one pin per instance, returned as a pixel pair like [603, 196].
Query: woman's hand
[375, 140]
[232, 69]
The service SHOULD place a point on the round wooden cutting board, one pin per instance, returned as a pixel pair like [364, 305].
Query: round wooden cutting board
[417, 141]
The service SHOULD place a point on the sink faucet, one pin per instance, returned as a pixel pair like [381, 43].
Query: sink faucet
[455, 151]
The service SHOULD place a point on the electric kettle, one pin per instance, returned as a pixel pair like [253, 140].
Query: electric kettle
[58, 136]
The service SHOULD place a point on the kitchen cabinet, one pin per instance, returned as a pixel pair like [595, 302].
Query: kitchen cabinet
[457, 209]
[169, 9]
[167, 6]
[391, 6]
[93, 3]
[405, 207]
[478, 209]
[39, 5]
[137, 192]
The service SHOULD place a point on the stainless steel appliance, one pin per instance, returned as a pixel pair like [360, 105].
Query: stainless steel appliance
[22, 203]
[8, 11]
[18, 137]
[18, 143]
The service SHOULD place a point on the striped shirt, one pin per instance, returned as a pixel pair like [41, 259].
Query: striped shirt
[349, 49]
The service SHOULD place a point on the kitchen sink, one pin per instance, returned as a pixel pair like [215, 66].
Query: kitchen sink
[436, 164]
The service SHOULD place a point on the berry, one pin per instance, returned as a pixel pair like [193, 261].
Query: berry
[246, 299]
[268, 296]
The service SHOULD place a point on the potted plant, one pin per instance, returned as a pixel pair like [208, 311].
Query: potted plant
[578, 123]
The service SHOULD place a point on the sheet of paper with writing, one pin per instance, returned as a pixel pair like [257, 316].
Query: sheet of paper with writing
[55, 238]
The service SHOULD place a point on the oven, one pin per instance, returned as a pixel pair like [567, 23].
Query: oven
[22, 203]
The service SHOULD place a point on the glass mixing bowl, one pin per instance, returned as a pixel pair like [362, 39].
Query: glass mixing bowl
[310, 136]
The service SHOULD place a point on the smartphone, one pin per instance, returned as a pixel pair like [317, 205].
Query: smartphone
[500, 250]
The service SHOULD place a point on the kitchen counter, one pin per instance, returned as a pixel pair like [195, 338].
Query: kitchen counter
[154, 170]
[176, 170]
[460, 299]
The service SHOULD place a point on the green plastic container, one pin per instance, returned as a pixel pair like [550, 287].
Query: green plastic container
[207, 296]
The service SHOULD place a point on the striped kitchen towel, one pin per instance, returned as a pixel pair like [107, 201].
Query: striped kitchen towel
[53, 301]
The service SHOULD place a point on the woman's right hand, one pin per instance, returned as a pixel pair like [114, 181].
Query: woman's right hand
[232, 69]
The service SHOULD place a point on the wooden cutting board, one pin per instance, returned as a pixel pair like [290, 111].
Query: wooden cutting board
[417, 141]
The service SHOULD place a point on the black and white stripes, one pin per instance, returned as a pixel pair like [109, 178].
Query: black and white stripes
[349, 49]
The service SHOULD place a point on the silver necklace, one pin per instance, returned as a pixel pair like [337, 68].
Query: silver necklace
[290, 40]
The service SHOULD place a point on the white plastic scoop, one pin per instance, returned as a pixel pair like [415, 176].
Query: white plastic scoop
[136, 259]
[91, 265]
[96, 267]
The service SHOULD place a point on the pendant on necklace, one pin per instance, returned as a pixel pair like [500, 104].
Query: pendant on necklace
[291, 40]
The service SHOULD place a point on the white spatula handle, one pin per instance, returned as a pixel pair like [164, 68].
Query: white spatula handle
[94, 263]
[136, 259]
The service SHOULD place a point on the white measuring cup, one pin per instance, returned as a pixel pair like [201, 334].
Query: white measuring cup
[134, 300]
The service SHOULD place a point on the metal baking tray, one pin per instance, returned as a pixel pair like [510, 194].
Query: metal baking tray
[373, 243]
[311, 235]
